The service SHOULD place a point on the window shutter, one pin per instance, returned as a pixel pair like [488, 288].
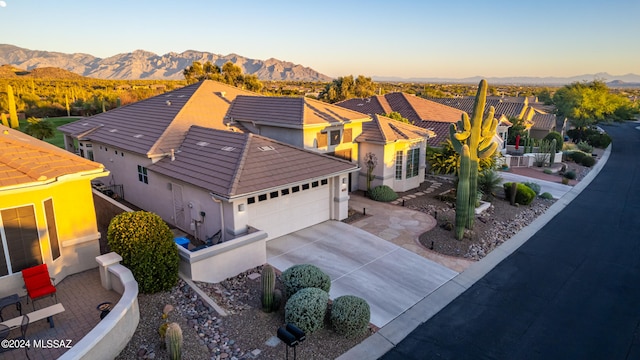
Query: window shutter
[322, 139]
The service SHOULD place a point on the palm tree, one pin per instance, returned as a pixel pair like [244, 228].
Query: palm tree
[39, 129]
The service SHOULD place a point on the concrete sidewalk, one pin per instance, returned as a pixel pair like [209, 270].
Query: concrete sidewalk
[391, 334]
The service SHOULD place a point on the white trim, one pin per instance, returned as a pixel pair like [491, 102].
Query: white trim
[55, 223]
[80, 240]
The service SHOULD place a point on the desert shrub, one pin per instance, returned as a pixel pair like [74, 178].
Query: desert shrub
[383, 193]
[306, 309]
[571, 174]
[599, 140]
[546, 196]
[576, 156]
[588, 161]
[350, 315]
[547, 171]
[554, 135]
[444, 160]
[533, 186]
[488, 182]
[303, 276]
[146, 245]
[524, 194]
[584, 146]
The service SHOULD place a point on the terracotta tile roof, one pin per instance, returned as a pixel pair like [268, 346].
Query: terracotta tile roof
[230, 164]
[385, 130]
[441, 129]
[409, 106]
[158, 124]
[25, 160]
[544, 121]
[290, 111]
[508, 109]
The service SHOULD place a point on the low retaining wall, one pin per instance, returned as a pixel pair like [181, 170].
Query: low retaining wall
[224, 260]
[113, 333]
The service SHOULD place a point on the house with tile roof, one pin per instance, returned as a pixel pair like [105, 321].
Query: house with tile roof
[399, 150]
[432, 114]
[46, 210]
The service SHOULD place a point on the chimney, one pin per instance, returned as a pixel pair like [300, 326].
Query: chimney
[173, 155]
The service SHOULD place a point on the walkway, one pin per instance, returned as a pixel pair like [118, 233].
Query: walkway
[389, 277]
[569, 292]
[402, 227]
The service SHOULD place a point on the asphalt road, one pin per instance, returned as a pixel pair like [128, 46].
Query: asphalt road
[571, 292]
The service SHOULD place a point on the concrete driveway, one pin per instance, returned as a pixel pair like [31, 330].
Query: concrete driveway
[390, 278]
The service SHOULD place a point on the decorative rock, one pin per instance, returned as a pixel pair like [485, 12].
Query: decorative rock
[167, 309]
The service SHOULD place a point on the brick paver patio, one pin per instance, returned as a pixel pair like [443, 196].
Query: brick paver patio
[79, 294]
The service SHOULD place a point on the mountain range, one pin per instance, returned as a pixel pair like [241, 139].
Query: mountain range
[142, 64]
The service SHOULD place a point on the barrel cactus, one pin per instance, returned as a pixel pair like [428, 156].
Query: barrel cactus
[270, 295]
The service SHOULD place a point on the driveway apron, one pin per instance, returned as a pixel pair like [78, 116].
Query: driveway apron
[390, 278]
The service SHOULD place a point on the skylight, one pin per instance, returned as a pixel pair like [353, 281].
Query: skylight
[113, 130]
[266, 148]
[228, 148]
[202, 143]
[138, 136]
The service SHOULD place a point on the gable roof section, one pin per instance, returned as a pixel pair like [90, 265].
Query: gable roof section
[441, 129]
[25, 160]
[385, 130]
[158, 124]
[544, 121]
[231, 164]
[409, 106]
[294, 112]
[508, 109]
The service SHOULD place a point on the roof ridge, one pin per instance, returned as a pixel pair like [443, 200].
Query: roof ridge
[240, 167]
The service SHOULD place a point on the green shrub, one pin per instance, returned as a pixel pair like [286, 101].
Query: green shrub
[546, 196]
[588, 161]
[524, 194]
[571, 174]
[584, 146]
[533, 186]
[146, 245]
[350, 315]
[555, 135]
[383, 193]
[599, 140]
[306, 309]
[547, 171]
[576, 156]
[304, 276]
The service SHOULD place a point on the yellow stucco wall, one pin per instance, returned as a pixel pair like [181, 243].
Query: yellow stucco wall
[75, 222]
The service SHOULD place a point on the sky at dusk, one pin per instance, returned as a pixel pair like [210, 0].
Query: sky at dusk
[420, 38]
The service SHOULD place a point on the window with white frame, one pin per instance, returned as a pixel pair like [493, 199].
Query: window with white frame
[398, 165]
[142, 174]
[334, 137]
[413, 162]
[20, 245]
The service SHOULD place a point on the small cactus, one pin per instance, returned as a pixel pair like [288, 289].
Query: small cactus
[163, 330]
[173, 340]
[268, 287]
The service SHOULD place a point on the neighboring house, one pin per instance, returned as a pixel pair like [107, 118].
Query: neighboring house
[420, 112]
[46, 210]
[400, 152]
[302, 122]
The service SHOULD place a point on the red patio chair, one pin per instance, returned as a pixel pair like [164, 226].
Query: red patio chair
[38, 283]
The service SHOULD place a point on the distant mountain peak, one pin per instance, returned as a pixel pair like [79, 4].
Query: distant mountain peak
[143, 64]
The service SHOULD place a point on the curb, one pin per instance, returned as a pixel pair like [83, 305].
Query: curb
[391, 334]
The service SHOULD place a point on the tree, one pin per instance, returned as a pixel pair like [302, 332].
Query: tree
[39, 129]
[198, 72]
[13, 113]
[345, 87]
[518, 128]
[232, 74]
[397, 116]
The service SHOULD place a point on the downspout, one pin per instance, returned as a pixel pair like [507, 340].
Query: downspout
[218, 200]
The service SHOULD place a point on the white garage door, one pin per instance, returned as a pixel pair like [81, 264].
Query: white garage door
[288, 213]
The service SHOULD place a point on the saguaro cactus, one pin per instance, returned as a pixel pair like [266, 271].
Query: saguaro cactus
[552, 152]
[462, 194]
[173, 340]
[268, 287]
[477, 133]
[13, 113]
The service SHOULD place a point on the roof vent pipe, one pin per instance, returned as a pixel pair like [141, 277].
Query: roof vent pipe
[173, 155]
